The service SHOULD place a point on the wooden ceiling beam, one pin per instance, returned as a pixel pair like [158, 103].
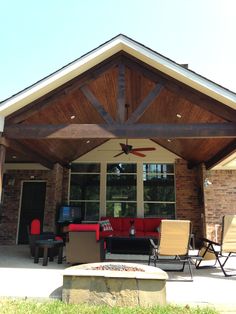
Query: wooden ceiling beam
[77, 131]
[23, 149]
[120, 112]
[96, 104]
[192, 95]
[221, 155]
[148, 100]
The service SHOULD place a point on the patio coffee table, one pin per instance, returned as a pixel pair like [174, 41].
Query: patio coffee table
[48, 246]
[128, 245]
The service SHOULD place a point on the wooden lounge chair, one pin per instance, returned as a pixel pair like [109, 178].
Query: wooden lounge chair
[174, 245]
[225, 249]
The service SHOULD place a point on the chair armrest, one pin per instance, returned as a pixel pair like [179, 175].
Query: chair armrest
[209, 241]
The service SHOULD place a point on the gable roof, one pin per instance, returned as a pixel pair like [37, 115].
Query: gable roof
[101, 53]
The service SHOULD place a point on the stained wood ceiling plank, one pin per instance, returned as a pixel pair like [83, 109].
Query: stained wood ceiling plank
[96, 104]
[186, 91]
[143, 106]
[222, 154]
[22, 149]
[46, 100]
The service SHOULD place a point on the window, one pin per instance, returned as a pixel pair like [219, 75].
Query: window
[85, 189]
[121, 191]
[159, 190]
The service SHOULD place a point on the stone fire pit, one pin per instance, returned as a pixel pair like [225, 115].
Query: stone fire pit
[111, 283]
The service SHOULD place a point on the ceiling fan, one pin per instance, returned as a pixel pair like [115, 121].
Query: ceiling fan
[128, 149]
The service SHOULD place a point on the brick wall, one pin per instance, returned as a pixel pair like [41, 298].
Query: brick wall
[11, 199]
[219, 200]
[189, 198]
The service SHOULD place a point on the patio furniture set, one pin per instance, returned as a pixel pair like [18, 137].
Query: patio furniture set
[165, 241]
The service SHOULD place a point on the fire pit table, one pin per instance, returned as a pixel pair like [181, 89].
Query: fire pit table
[111, 283]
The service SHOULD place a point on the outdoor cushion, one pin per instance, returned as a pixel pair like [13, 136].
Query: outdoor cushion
[35, 226]
[105, 234]
[150, 224]
[115, 222]
[105, 225]
[126, 223]
[138, 223]
[85, 227]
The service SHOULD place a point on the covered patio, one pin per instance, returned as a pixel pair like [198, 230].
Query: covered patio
[54, 131]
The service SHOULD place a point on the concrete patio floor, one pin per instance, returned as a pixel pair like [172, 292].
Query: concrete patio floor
[21, 278]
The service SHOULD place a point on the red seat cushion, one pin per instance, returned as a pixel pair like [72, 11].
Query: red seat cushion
[151, 224]
[85, 227]
[138, 223]
[126, 223]
[35, 226]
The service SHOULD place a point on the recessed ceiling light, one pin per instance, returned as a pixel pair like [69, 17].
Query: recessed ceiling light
[14, 157]
[72, 117]
[178, 115]
[88, 141]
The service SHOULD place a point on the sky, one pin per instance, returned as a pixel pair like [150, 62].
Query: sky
[39, 37]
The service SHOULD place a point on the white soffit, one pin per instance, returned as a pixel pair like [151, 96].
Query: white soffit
[228, 163]
[105, 51]
[106, 152]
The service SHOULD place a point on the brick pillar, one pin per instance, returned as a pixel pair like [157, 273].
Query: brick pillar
[219, 199]
[189, 197]
[54, 197]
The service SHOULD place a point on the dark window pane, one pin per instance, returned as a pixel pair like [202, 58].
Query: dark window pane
[162, 210]
[158, 168]
[121, 209]
[90, 210]
[121, 168]
[121, 187]
[84, 187]
[159, 188]
[85, 167]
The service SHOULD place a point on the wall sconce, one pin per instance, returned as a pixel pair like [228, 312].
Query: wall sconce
[207, 182]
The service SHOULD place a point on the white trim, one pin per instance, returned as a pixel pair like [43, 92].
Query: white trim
[20, 201]
[2, 122]
[105, 51]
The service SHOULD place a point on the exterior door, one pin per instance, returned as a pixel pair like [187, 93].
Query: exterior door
[32, 206]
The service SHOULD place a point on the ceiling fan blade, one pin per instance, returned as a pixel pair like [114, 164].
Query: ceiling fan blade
[119, 154]
[144, 149]
[137, 153]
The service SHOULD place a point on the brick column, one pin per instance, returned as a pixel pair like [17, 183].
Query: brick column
[189, 197]
[54, 197]
[219, 199]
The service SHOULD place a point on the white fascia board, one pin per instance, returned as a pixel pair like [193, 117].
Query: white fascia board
[2, 122]
[102, 53]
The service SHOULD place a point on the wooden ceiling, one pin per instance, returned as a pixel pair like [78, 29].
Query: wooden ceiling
[90, 109]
